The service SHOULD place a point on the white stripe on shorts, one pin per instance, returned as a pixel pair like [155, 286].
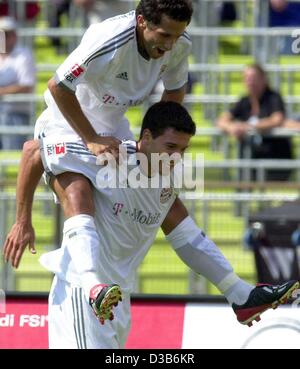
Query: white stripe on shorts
[78, 317]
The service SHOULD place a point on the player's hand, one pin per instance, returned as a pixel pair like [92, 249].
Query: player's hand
[102, 144]
[20, 236]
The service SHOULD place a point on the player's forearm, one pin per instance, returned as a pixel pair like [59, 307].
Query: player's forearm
[198, 252]
[30, 172]
[71, 110]
[175, 95]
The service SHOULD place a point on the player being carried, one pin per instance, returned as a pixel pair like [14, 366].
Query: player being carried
[116, 65]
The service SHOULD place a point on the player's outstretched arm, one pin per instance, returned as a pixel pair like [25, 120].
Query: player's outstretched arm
[197, 251]
[194, 248]
[22, 232]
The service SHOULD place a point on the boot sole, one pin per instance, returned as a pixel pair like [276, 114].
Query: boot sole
[111, 298]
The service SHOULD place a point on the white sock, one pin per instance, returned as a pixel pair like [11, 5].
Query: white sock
[235, 289]
[83, 245]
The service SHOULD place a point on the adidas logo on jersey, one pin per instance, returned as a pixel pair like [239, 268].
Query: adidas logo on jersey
[122, 75]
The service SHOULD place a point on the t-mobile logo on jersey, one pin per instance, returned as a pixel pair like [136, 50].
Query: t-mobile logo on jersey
[144, 218]
[137, 215]
[117, 208]
[113, 100]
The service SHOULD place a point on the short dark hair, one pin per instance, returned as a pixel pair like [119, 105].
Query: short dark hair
[167, 114]
[152, 10]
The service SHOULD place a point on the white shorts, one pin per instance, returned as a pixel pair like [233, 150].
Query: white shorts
[66, 152]
[73, 325]
[48, 124]
[61, 155]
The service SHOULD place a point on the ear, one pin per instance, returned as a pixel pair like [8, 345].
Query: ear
[147, 136]
[141, 22]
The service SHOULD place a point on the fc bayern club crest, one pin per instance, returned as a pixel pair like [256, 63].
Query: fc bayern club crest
[165, 195]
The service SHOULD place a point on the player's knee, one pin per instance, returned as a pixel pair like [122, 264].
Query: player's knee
[31, 147]
[79, 196]
[79, 193]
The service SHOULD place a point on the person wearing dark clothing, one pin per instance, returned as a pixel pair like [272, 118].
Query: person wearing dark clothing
[228, 12]
[283, 13]
[260, 111]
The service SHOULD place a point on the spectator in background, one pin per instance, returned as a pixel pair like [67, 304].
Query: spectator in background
[28, 11]
[17, 76]
[90, 11]
[228, 12]
[98, 10]
[214, 13]
[283, 13]
[60, 7]
[259, 111]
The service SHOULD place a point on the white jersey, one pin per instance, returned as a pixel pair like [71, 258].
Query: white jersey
[127, 220]
[108, 75]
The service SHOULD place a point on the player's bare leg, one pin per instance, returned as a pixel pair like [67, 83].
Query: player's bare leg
[76, 196]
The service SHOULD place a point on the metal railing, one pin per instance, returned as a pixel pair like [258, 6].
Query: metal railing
[219, 78]
[215, 76]
[213, 132]
[208, 131]
[205, 38]
[213, 104]
[263, 45]
[245, 165]
[189, 99]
